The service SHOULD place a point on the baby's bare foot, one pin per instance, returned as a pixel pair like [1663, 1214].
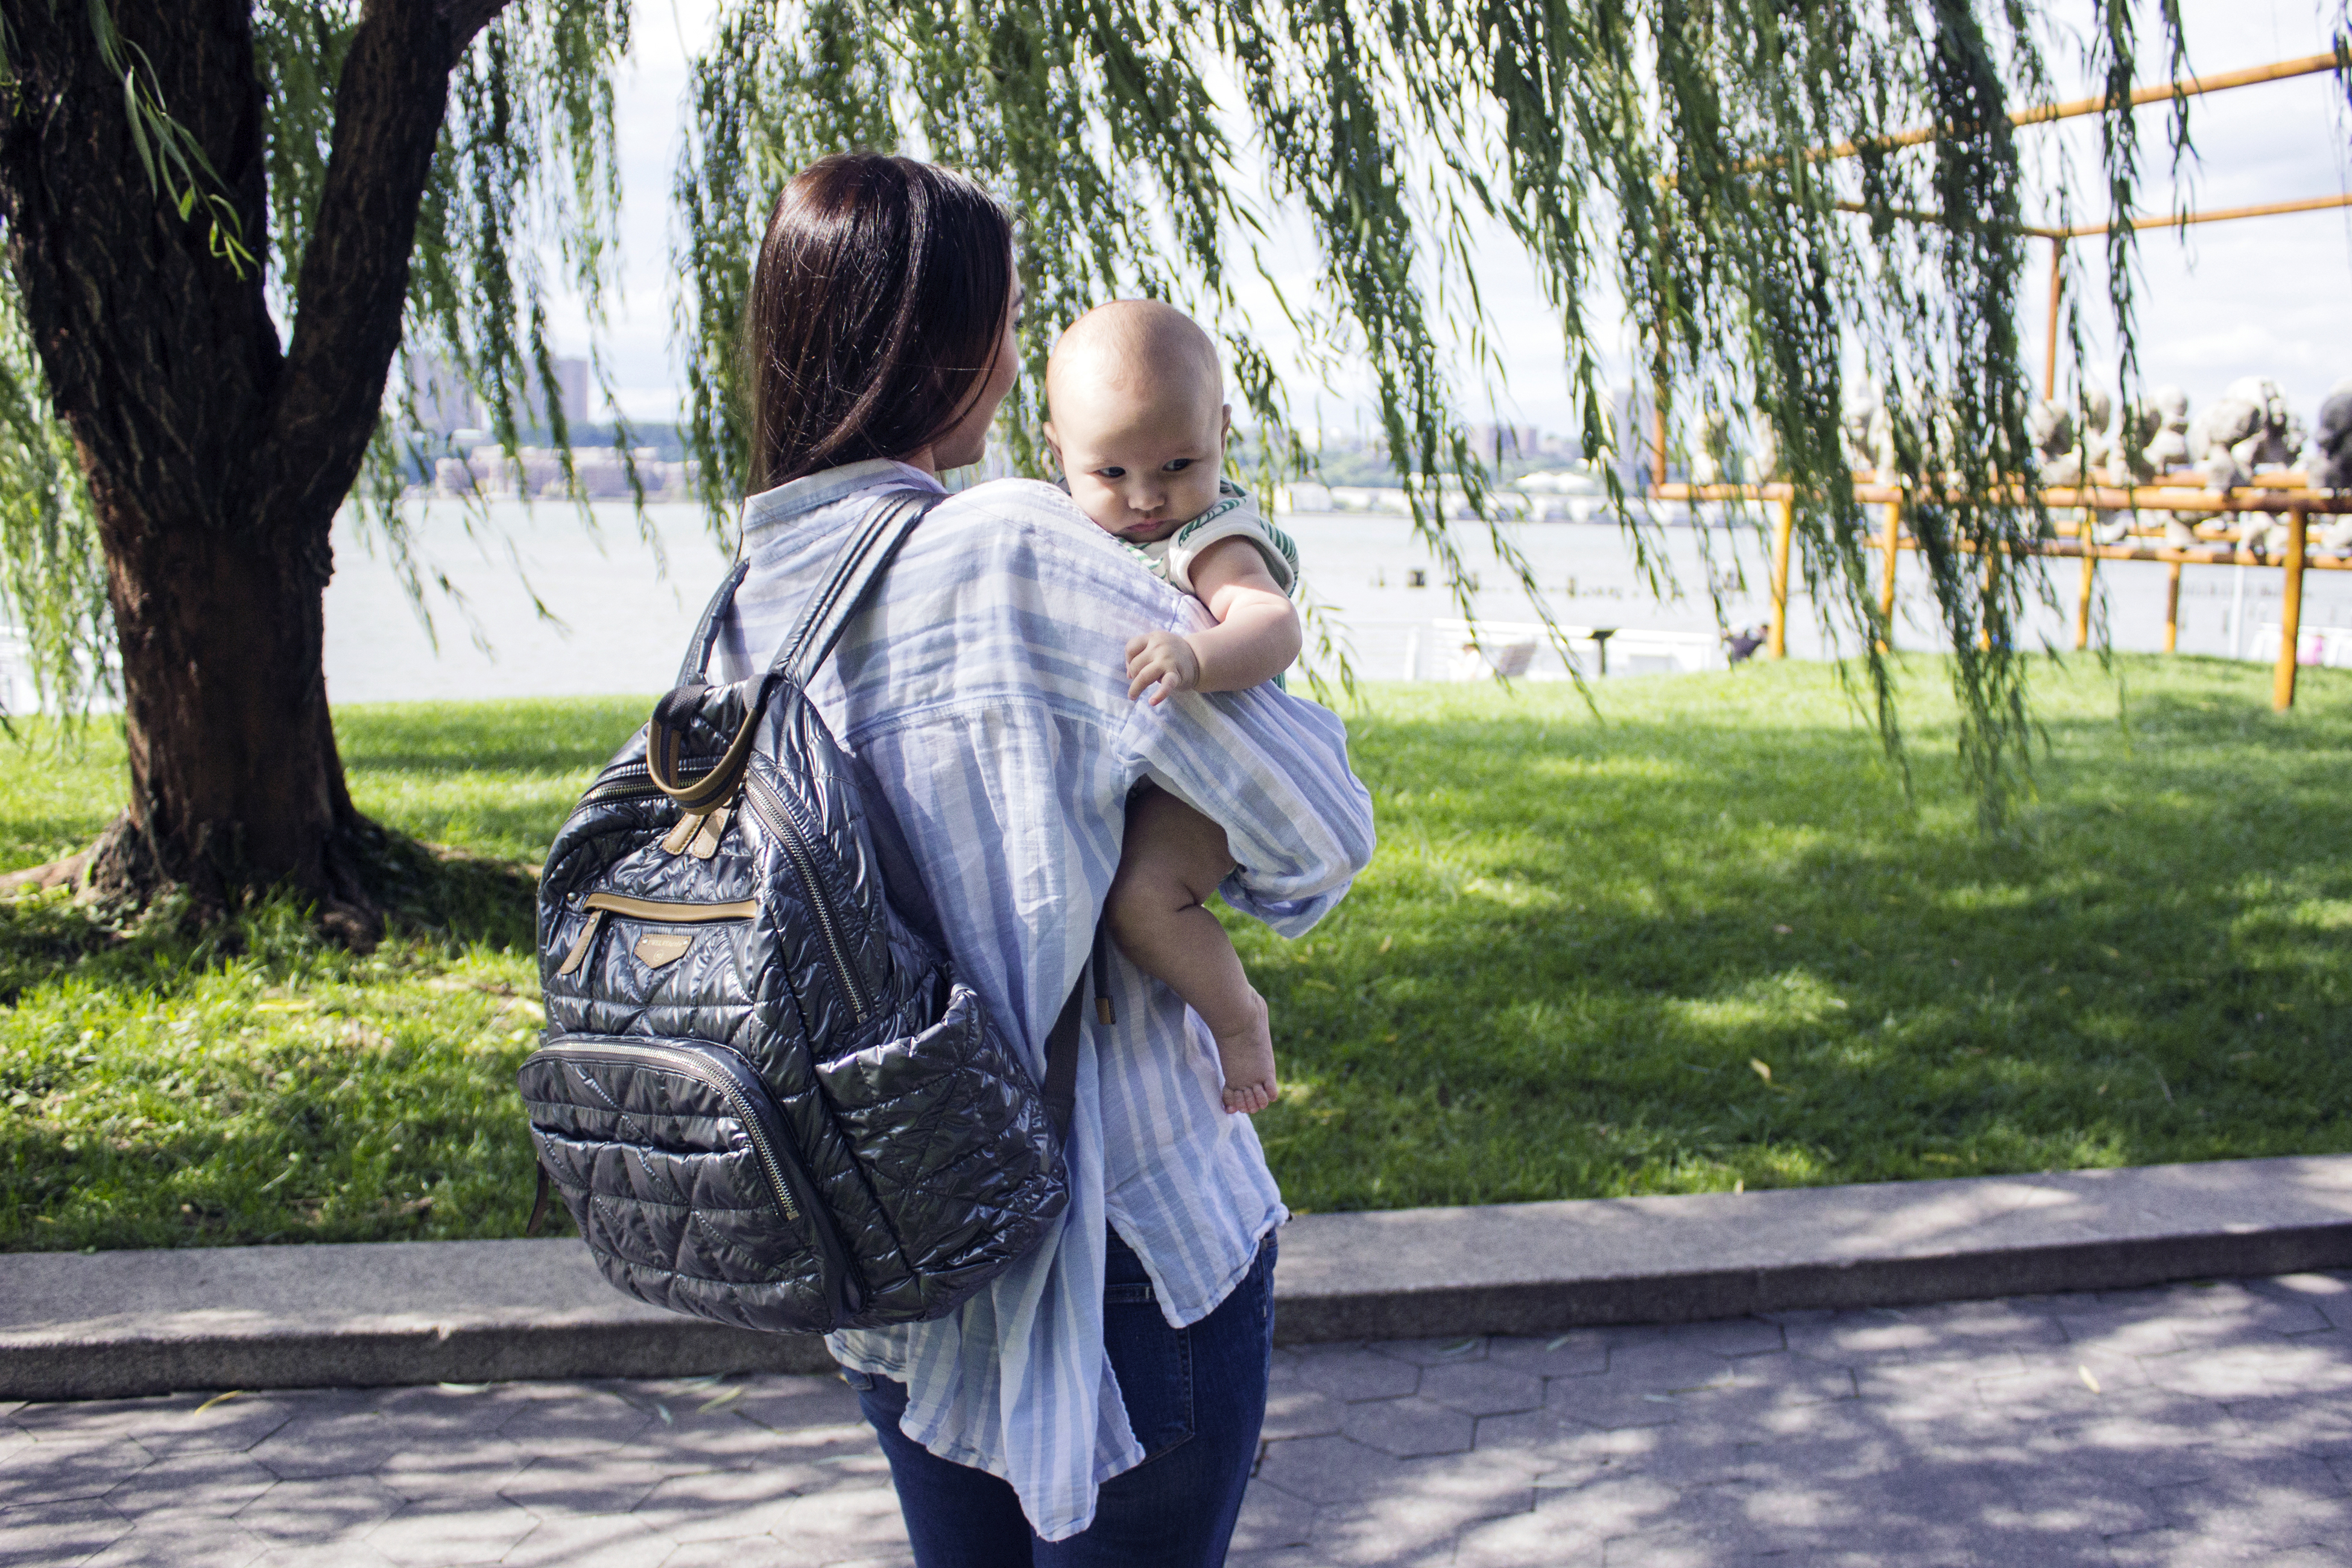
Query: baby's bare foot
[1247, 1056]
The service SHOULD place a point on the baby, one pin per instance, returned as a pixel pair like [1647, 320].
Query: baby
[1138, 420]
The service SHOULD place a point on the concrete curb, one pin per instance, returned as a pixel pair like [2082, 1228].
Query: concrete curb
[112, 1325]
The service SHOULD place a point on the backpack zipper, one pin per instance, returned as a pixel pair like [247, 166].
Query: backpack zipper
[708, 1066]
[695, 1065]
[617, 784]
[771, 811]
[635, 779]
[599, 905]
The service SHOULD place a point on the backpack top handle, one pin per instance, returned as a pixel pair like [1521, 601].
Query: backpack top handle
[849, 586]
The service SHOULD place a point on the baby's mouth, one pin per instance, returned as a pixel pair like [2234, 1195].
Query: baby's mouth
[1150, 530]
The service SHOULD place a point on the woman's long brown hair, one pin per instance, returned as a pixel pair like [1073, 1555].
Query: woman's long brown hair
[877, 312]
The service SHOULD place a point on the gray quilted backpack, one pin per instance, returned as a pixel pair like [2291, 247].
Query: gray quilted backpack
[764, 1095]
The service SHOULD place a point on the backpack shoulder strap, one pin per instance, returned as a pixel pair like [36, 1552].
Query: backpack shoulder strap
[856, 570]
[827, 615]
[706, 631]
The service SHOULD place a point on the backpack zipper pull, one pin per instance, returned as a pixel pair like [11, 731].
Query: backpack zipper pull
[705, 843]
[579, 954]
[690, 824]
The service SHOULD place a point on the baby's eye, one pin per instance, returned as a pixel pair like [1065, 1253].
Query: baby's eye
[1110, 473]
[1178, 466]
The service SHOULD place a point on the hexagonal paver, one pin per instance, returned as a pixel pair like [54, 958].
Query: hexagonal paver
[181, 1541]
[1325, 1469]
[1664, 1366]
[1731, 1337]
[353, 1553]
[1580, 1354]
[214, 1481]
[63, 1532]
[1553, 1438]
[844, 1524]
[88, 1420]
[1272, 1518]
[606, 1541]
[172, 1423]
[583, 1486]
[1339, 1471]
[574, 1418]
[716, 1505]
[1440, 1352]
[453, 1411]
[721, 1440]
[342, 1438]
[1528, 1539]
[63, 1471]
[471, 1464]
[744, 1552]
[446, 1534]
[1347, 1373]
[787, 1402]
[319, 1511]
[1409, 1427]
[1482, 1387]
[2325, 1294]
[1611, 1402]
[1299, 1412]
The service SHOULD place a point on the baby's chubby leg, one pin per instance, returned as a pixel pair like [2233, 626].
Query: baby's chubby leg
[1172, 862]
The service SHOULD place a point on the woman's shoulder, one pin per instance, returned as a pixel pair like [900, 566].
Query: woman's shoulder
[1022, 503]
[1032, 526]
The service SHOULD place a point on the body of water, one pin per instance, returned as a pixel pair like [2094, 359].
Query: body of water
[619, 609]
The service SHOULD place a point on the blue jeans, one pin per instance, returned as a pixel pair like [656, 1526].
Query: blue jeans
[1195, 1397]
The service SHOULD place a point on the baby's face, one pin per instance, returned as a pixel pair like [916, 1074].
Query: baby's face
[1141, 462]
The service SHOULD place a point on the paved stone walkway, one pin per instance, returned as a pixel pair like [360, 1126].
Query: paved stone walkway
[2183, 1427]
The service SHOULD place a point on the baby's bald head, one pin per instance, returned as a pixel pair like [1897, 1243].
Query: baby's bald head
[1136, 412]
[1130, 347]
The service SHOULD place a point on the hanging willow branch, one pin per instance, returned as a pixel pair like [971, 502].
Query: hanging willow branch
[1662, 154]
[1662, 148]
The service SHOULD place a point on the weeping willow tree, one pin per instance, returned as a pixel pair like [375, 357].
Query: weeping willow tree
[228, 220]
[224, 221]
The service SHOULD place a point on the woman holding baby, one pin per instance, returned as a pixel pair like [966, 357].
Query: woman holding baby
[1036, 658]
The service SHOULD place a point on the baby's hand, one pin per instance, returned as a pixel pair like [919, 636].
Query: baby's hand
[1161, 656]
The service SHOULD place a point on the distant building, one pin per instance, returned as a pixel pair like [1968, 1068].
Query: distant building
[1503, 443]
[572, 392]
[444, 403]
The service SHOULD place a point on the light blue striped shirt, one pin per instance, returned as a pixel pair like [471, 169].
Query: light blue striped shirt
[987, 692]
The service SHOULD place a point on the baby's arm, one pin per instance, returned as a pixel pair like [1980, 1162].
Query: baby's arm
[1257, 636]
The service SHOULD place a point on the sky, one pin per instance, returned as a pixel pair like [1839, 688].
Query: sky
[2267, 296]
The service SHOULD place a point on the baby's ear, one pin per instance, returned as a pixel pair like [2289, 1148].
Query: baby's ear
[1047, 429]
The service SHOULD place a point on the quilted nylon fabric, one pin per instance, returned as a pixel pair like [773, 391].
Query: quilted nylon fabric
[791, 1119]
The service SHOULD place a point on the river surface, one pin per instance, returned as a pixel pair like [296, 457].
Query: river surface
[617, 611]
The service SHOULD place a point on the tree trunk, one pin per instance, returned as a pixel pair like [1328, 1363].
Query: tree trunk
[216, 458]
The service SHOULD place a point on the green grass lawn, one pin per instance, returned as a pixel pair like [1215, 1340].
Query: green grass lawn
[1700, 939]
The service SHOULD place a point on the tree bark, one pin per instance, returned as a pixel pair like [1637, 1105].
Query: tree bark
[215, 459]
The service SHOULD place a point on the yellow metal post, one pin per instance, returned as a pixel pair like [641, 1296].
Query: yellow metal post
[2172, 608]
[1892, 543]
[2057, 288]
[2290, 615]
[2082, 597]
[1783, 535]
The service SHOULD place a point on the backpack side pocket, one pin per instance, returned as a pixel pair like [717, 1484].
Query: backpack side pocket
[673, 1159]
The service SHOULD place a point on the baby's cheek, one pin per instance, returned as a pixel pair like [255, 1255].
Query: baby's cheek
[1197, 494]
